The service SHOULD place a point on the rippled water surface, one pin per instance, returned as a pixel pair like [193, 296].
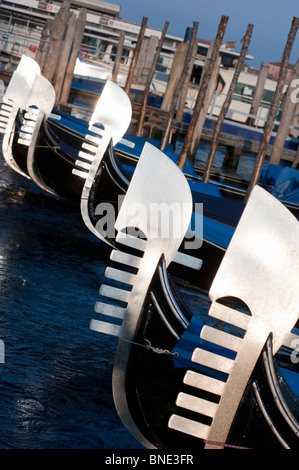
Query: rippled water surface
[55, 383]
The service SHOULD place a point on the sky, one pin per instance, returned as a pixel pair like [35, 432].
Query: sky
[271, 19]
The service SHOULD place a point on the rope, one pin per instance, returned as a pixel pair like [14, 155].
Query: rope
[152, 348]
[226, 445]
[167, 352]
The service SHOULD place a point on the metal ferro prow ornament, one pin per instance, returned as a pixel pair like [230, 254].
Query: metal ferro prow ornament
[170, 188]
[109, 121]
[39, 105]
[261, 268]
[15, 99]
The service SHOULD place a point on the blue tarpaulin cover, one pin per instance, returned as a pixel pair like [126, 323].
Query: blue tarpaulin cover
[284, 182]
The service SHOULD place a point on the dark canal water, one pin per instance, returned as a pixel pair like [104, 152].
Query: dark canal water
[55, 382]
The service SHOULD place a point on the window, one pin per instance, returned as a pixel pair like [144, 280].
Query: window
[244, 89]
[268, 96]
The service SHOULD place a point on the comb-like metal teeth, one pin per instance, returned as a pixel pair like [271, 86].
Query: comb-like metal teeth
[114, 293]
[212, 360]
[139, 244]
[6, 107]
[121, 276]
[188, 426]
[24, 136]
[221, 338]
[110, 310]
[24, 142]
[97, 130]
[131, 241]
[84, 165]
[86, 156]
[93, 139]
[32, 114]
[229, 315]
[79, 173]
[106, 328]
[5, 113]
[199, 405]
[27, 127]
[204, 382]
[125, 258]
[91, 148]
[126, 142]
[187, 260]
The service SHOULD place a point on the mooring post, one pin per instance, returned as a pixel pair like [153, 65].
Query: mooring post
[207, 101]
[135, 55]
[258, 91]
[202, 92]
[187, 76]
[274, 107]
[175, 73]
[43, 46]
[226, 104]
[80, 26]
[178, 88]
[57, 33]
[285, 122]
[64, 56]
[145, 60]
[118, 56]
[149, 80]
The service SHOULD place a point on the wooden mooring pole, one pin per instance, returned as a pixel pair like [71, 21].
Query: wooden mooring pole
[175, 73]
[64, 55]
[285, 121]
[135, 56]
[149, 80]
[77, 41]
[43, 46]
[202, 92]
[258, 91]
[57, 33]
[274, 107]
[206, 103]
[178, 87]
[118, 56]
[187, 76]
[227, 102]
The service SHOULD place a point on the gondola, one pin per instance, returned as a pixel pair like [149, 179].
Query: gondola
[53, 153]
[15, 99]
[169, 390]
[94, 174]
[161, 324]
[48, 154]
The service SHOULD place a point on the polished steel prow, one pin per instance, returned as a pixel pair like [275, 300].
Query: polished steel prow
[109, 121]
[38, 106]
[140, 228]
[15, 99]
[261, 268]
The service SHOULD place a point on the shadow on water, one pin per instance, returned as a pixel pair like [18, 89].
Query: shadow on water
[55, 383]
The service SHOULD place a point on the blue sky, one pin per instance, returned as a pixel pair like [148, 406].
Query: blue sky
[271, 19]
